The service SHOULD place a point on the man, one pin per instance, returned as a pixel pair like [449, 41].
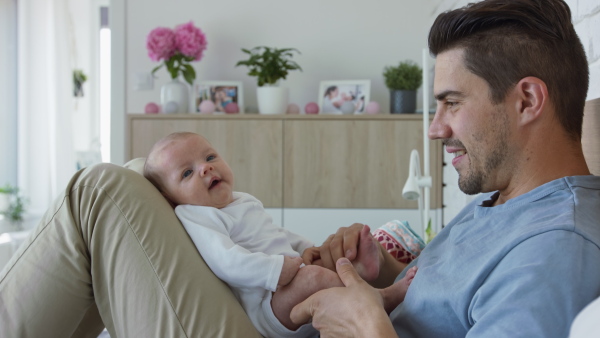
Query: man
[511, 79]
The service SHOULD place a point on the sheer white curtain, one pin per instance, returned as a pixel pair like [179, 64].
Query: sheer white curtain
[46, 157]
[8, 92]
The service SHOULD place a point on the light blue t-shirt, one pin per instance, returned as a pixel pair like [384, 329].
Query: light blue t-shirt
[521, 269]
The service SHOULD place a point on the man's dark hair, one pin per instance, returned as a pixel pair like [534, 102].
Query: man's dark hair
[505, 41]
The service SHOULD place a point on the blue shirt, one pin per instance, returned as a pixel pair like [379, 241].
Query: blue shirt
[521, 269]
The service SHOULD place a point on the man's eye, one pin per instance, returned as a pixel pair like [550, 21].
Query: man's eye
[450, 104]
[187, 173]
[211, 157]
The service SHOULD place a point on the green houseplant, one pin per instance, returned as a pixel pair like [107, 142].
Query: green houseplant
[403, 81]
[270, 66]
[12, 205]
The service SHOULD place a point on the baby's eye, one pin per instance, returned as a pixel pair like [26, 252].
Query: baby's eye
[186, 173]
[211, 157]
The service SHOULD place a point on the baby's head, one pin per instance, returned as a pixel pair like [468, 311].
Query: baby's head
[186, 169]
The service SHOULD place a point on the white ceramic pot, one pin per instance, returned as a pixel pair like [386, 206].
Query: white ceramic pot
[177, 92]
[272, 100]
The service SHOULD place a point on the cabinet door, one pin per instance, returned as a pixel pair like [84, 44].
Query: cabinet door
[253, 149]
[352, 163]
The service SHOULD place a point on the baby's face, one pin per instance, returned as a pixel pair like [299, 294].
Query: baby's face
[194, 173]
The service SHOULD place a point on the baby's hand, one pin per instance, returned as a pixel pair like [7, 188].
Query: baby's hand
[291, 265]
[312, 256]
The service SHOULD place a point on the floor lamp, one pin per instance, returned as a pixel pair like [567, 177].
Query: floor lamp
[417, 186]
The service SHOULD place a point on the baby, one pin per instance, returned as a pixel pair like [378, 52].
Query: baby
[261, 262]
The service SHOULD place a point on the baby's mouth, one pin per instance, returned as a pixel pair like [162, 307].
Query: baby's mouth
[214, 183]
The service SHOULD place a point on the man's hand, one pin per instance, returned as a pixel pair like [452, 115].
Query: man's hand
[344, 243]
[356, 310]
[290, 268]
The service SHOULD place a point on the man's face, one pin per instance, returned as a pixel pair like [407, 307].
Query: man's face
[194, 173]
[475, 130]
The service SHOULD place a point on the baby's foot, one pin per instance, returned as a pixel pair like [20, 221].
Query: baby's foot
[369, 257]
[394, 295]
[408, 278]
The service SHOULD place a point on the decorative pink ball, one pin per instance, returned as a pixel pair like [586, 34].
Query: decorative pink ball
[311, 108]
[206, 107]
[232, 108]
[293, 108]
[372, 108]
[151, 108]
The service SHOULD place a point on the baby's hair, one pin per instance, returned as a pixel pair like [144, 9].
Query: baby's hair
[151, 171]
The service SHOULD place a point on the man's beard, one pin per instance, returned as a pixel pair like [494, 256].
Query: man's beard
[477, 176]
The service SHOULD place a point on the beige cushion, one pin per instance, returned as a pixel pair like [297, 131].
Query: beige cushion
[137, 165]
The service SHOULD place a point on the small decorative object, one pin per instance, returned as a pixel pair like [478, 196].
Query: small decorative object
[348, 107]
[220, 93]
[232, 108]
[293, 109]
[12, 206]
[152, 108]
[79, 79]
[177, 49]
[311, 108]
[270, 66]
[373, 108]
[403, 81]
[206, 107]
[332, 94]
[171, 107]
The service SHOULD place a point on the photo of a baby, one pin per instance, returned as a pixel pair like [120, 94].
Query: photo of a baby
[221, 94]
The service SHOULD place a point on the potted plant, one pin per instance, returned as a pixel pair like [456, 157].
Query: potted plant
[403, 81]
[270, 66]
[12, 205]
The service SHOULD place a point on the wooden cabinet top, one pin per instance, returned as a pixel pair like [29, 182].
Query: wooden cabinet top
[407, 117]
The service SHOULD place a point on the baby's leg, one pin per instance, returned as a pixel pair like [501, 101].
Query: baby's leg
[308, 280]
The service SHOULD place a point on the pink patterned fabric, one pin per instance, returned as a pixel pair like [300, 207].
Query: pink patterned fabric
[392, 246]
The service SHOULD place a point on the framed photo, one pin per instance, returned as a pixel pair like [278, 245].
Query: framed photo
[332, 94]
[221, 93]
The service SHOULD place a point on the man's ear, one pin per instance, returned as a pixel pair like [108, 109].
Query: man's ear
[532, 99]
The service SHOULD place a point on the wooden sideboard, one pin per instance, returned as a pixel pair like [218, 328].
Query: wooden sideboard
[307, 161]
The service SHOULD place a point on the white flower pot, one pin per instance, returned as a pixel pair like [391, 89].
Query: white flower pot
[175, 97]
[272, 100]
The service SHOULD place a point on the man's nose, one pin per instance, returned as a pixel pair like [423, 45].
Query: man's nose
[439, 128]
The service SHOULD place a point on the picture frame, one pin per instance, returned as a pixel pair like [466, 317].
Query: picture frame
[220, 93]
[333, 93]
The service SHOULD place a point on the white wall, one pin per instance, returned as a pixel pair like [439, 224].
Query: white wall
[586, 19]
[339, 40]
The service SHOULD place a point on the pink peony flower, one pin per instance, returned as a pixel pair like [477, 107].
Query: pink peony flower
[190, 40]
[161, 44]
